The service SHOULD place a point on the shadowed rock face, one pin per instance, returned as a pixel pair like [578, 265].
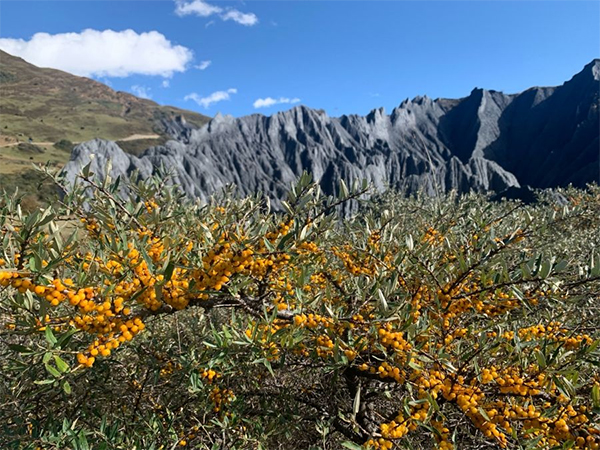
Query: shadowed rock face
[488, 141]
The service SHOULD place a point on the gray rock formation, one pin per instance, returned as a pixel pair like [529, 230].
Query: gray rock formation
[175, 126]
[488, 141]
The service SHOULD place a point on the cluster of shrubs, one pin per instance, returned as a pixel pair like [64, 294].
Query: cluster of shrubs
[155, 322]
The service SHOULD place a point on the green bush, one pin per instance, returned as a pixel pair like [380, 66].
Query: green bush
[156, 322]
[64, 145]
[27, 147]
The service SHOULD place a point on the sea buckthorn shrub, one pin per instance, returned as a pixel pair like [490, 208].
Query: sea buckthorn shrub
[157, 323]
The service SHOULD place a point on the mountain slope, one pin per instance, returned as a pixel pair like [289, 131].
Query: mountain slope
[49, 105]
[542, 137]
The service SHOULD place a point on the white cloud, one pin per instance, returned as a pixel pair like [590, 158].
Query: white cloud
[215, 97]
[269, 101]
[197, 7]
[105, 53]
[203, 9]
[141, 91]
[203, 65]
[247, 19]
[165, 83]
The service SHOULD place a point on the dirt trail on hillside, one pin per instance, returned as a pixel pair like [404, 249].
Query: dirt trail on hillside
[137, 137]
[13, 144]
[133, 137]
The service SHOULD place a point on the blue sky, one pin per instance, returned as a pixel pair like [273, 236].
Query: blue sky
[342, 56]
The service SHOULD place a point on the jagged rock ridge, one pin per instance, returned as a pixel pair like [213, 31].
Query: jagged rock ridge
[488, 141]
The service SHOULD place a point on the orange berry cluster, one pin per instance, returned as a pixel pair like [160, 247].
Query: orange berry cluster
[104, 318]
[385, 370]
[393, 430]
[312, 321]
[374, 240]
[443, 437]
[324, 346]
[306, 248]
[92, 226]
[392, 339]
[354, 263]
[555, 331]
[17, 281]
[169, 368]
[150, 205]
[220, 398]
[209, 375]
[318, 282]
[432, 237]
[469, 399]
[263, 334]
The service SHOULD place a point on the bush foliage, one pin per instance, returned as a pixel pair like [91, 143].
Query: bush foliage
[64, 145]
[158, 323]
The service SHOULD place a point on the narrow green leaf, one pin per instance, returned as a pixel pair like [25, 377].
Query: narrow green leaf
[343, 189]
[410, 243]
[19, 348]
[541, 359]
[168, 272]
[61, 364]
[561, 265]
[545, 269]
[596, 396]
[356, 403]
[52, 371]
[382, 301]
[352, 445]
[484, 414]
[50, 336]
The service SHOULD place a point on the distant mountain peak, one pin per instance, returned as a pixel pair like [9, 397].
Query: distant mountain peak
[589, 74]
[594, 67]
[487, 141]
[376, 114]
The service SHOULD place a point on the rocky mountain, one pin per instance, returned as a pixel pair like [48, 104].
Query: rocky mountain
[488, 141]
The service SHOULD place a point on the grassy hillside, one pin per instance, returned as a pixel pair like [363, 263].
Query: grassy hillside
[48, 105]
